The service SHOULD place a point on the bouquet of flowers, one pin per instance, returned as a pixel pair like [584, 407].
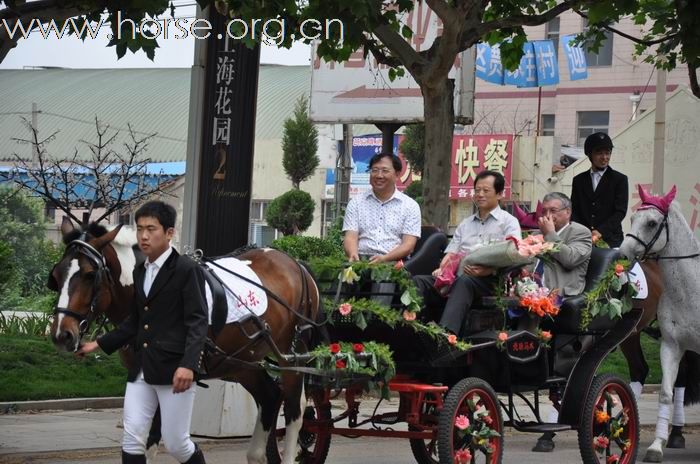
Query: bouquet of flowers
[526, 292]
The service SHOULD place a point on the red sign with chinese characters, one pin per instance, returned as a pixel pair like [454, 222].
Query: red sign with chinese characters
[474, 153]
[470, 155]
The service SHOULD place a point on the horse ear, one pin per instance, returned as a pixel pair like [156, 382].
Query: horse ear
[519, 213]
[67, 226]
[670, 196]
[103, 240]
[643, 195]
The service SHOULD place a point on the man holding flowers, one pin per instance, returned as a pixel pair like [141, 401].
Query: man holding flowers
[566, 270]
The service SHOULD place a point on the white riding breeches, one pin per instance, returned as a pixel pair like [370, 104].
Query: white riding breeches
[140, 403]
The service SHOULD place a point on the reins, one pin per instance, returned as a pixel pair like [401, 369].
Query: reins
[648, 245]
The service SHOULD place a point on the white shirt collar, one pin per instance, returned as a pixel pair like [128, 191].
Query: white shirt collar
[599, 173]
[158, 263]
[494, 212]
[562, 229]
[396, 195]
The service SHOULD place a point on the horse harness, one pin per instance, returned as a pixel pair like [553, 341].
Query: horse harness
[648, 245]
[96, 259]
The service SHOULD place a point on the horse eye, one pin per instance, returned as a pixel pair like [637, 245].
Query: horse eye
[90, 274]
[651, 224]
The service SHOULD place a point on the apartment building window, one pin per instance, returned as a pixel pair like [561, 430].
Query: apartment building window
[590, 122]
[551, 32]
[259, 232]
[604, 55]
[547, 125]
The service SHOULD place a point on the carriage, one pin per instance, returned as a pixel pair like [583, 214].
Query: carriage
[452, 401]
[455, 404]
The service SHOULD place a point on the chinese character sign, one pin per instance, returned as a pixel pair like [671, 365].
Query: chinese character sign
[526, 74]
[576, 57]
[546, 59]
[488, 63]
[472, 154]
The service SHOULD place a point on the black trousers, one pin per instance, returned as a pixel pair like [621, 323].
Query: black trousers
[465, 290]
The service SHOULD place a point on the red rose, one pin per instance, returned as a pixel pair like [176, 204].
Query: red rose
[340, 364]
[358, 347]
[335, 348]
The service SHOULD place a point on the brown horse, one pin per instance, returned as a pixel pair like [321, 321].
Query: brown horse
[94, 277]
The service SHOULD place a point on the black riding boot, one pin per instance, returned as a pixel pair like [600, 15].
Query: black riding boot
[197, 457]
[133, 458]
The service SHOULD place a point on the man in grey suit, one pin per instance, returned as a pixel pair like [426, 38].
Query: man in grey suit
[567, 269]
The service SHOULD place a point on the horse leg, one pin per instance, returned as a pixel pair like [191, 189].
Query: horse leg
[267, 395]
[670, 358]
[294, 405]
[639, 369]
[676, 438]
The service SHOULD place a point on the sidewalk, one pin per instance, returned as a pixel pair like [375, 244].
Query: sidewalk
[40, 432]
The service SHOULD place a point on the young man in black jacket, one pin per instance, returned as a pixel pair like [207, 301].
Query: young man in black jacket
[167, 327]
[600, 196]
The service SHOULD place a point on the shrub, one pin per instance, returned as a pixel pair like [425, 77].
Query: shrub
[291, 213]
[305, 248]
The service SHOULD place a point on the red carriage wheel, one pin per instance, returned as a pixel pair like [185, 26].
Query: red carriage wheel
[314, 437]
[426, 451]
[470, 428]
[609, 429]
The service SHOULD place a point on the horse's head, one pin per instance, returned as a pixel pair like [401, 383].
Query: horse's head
[85, 279]
[649, 230]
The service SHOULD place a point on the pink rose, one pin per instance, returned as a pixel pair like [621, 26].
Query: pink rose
[546, 335]
[619, 269]
[463, 456]
[601, 442]
[502, 336]
[613, 459]
[462, 422]
[398, 265]
[452, 339]
[345, 309]
[409, 316]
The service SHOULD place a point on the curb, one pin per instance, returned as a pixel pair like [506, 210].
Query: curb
[113, 402]
[69, 404]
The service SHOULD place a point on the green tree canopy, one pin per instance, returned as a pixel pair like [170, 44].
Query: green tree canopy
[413, 146]
[292, 212]
[299, 144]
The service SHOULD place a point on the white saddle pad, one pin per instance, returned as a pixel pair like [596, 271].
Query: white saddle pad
[637, 277]
[243, 298]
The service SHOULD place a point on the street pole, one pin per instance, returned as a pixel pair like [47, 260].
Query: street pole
[343, 169]
[659, 133]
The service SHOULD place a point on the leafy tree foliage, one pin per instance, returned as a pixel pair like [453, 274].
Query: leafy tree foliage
[299, 145]
[413, 146]
[291, 213]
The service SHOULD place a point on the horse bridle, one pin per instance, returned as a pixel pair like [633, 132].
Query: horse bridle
[98, 260]
[648, 245]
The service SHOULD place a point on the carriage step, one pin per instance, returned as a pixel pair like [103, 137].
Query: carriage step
[538, 427]
[408, 385]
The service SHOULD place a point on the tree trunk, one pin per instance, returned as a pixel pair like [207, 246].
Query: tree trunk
[438, 111]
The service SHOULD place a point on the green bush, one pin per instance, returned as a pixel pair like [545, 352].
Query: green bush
[291, 213]
[305, 248]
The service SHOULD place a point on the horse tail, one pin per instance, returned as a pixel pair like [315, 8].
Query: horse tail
[692, 377]
[318, 335]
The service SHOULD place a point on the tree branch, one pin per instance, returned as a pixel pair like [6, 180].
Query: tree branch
[401, 49]
[634, 39]
[517, 20]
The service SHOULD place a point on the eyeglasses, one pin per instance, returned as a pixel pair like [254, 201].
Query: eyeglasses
[377, 171]
[552, 210]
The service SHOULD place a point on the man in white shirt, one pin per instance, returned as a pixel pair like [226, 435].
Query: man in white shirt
[382, 224]
[489, 224]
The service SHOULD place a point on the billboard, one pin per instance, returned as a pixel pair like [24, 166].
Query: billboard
[470, 155]
[359, 90]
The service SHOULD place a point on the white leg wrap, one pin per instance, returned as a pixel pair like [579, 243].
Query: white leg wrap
[636, 389]
[258, 442]
[292, 434]
[678, 409]
[553, 416]
[662, 421]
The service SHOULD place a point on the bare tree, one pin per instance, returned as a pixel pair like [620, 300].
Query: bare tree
[107, 179]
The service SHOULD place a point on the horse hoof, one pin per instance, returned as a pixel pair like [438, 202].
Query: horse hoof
[676, 441]
[653, 455]
[544, 445]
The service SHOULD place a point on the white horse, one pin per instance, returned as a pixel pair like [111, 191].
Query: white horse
[659, 231]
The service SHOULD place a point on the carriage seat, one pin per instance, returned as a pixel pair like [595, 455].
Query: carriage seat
[569, 318]
[428, 251]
